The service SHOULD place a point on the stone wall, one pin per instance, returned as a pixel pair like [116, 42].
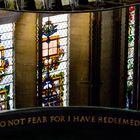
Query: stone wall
[79, 58]
[25, 60]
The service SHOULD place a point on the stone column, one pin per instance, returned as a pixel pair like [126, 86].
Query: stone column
[25, 60]
[79, 58]
[106, 58]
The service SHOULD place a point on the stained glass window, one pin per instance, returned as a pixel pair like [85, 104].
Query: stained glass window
[130, 60]
[55, 60]
[6, 66]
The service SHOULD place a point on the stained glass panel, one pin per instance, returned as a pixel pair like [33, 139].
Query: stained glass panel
[7, 43]
[6, 67]
[5, 28]
[55, 60]
[130, 52]
[130, 61]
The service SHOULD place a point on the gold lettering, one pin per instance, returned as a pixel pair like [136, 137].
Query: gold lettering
[29, 120]
[10, 122]
[16, 122]
[131, 122]
[137, 123]
[105, 119]
[34, 120]
[2, 124]
[120, 121]
[44, 119]
[115, 121]
[82, 119]
[110, 120]
[22, 120]
[100, 119]
[69, 118]
[85, 118]
[93, 119]
[57, 119]
[75, 118]
[125, 121]
[39, 120]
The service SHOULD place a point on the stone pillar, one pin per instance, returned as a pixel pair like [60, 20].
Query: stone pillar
[106, 58]
[79, 58]
[25, 60]
[122, 93]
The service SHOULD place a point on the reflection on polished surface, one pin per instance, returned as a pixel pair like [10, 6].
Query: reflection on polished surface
[69, 123]
[64, 6]
[71, 57]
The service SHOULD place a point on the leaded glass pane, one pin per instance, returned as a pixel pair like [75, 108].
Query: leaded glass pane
[130, 61]
[10, 60]
[55, 60]
[64, 72]
[6, 36]
[6, 66]
[8, 53]
[130, 52]
[62, 33]
[63, 41]
[130, 74]
[6, 79]
[7, 43]
[62, 25]
[59, 18]
[6, 28]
